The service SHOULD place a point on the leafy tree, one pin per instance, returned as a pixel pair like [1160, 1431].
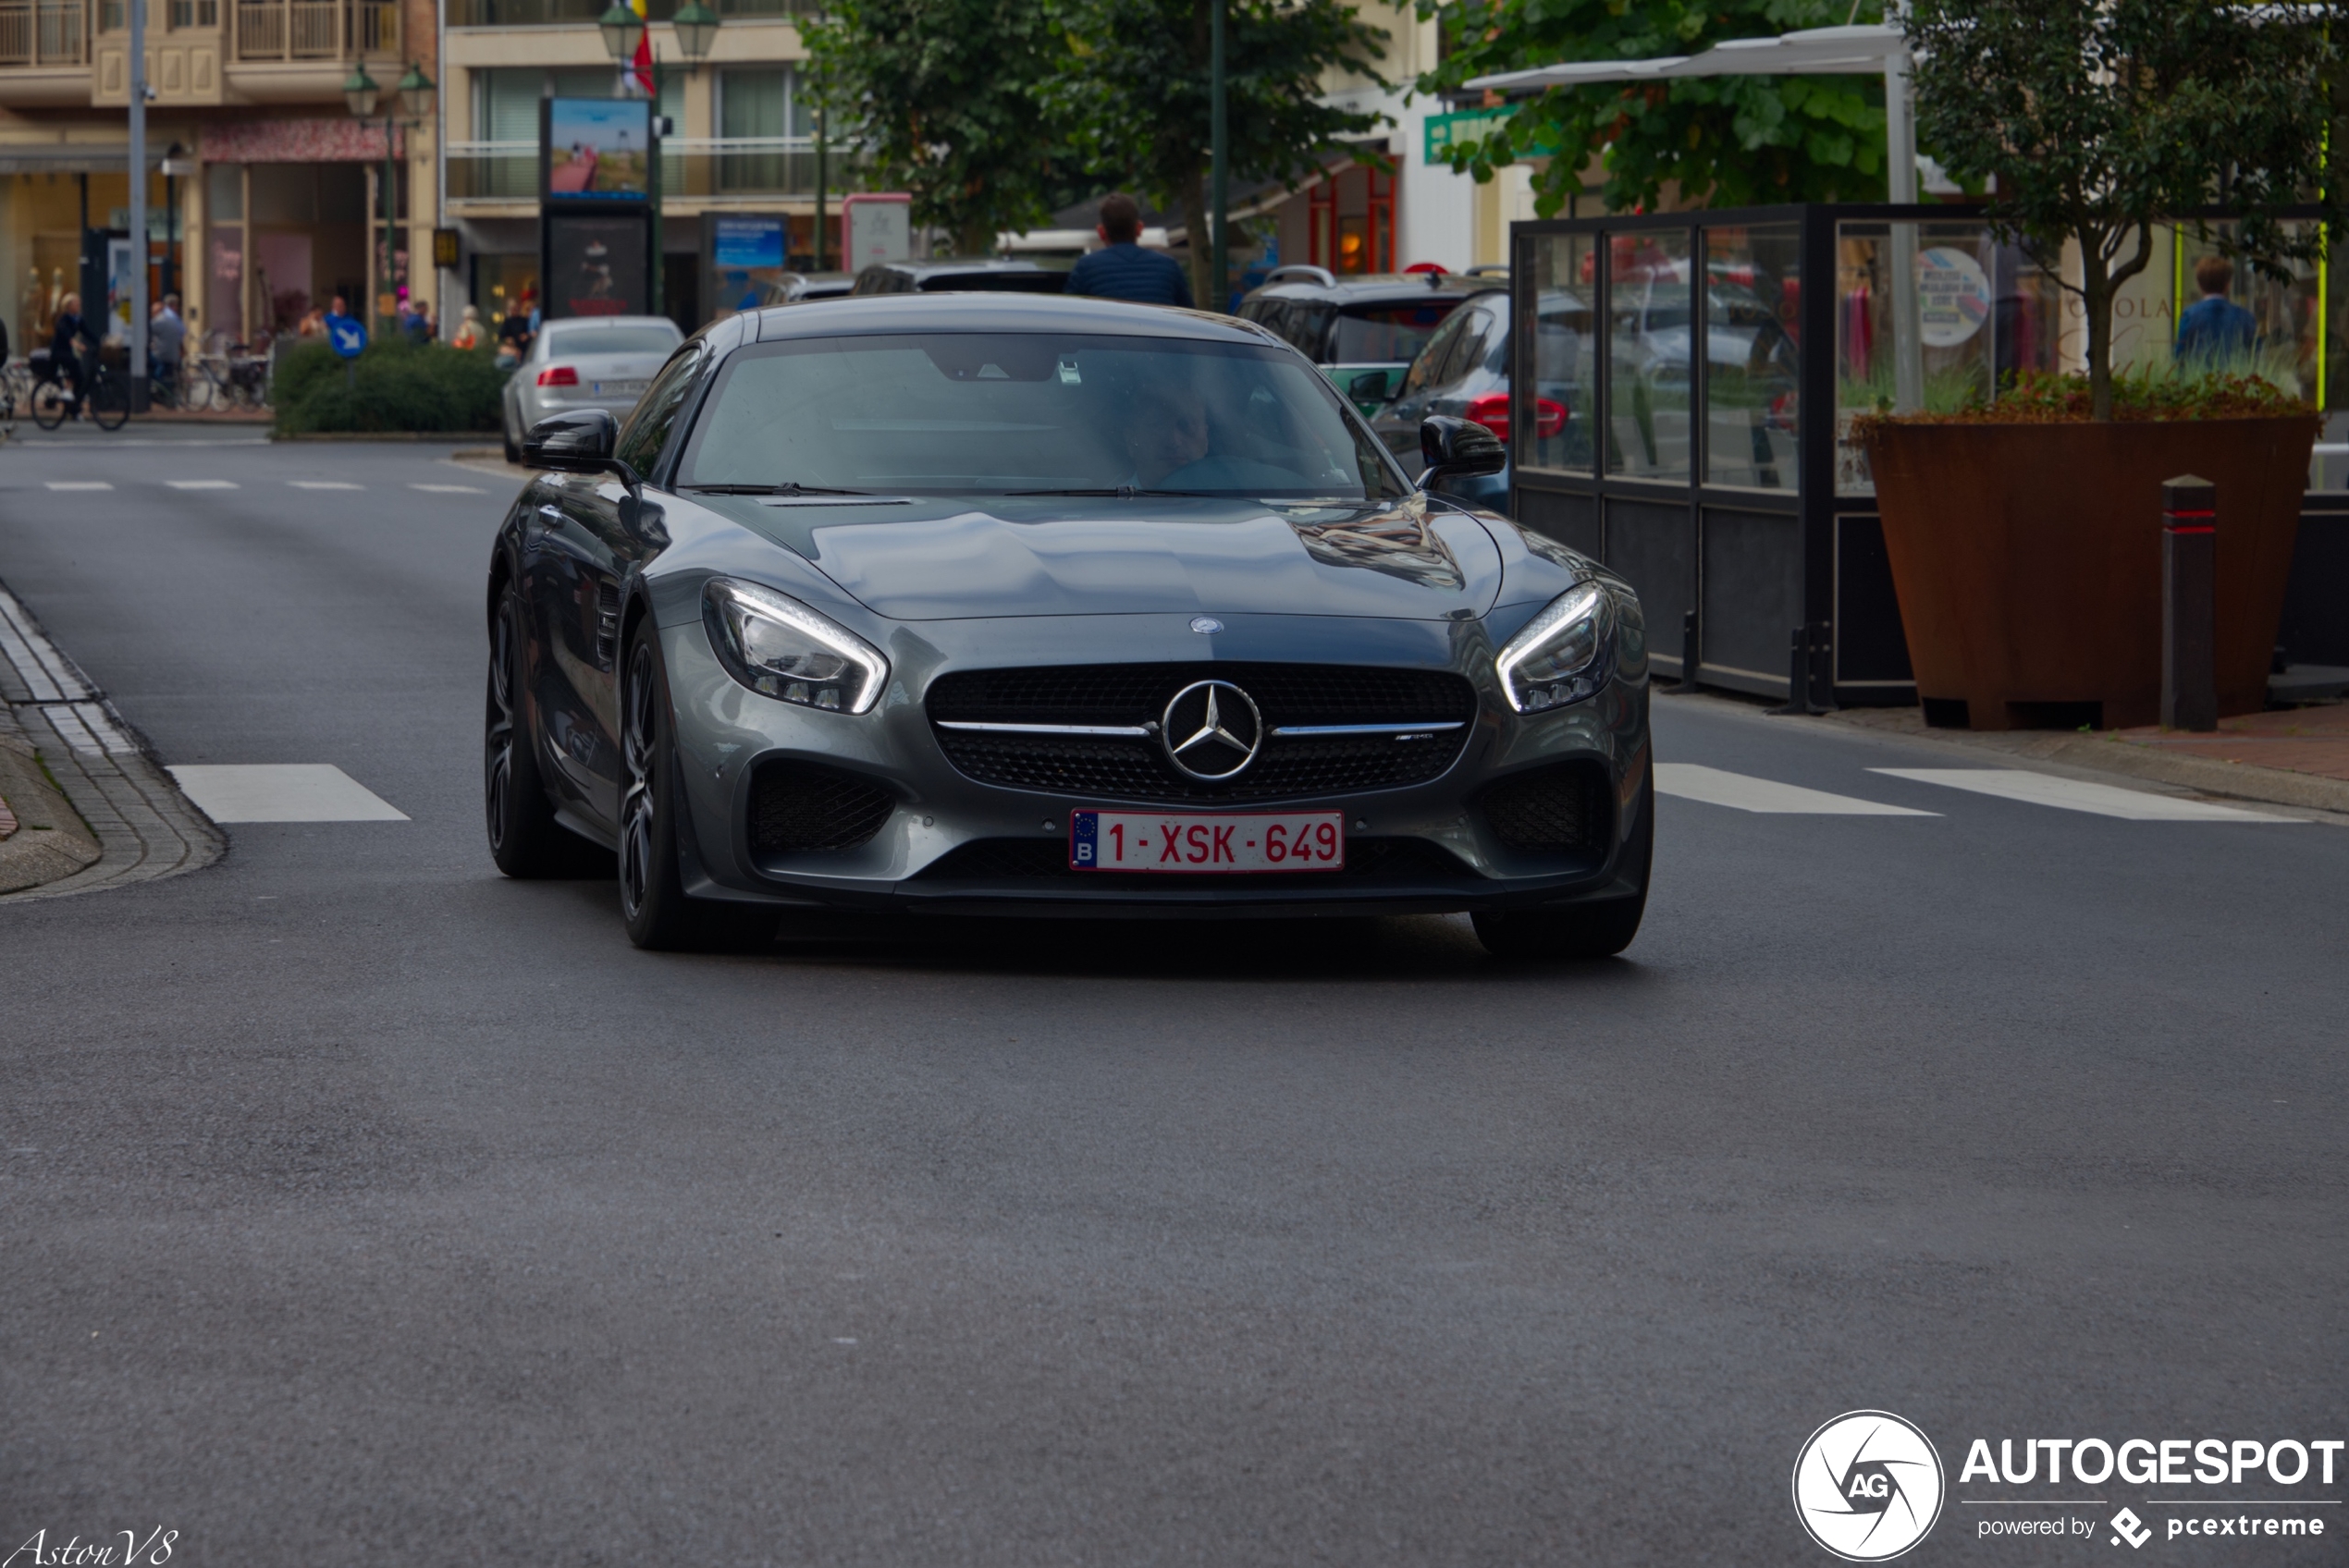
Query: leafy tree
[948, 97]
[1135, 89]
[2096, 118]
[1729, 140]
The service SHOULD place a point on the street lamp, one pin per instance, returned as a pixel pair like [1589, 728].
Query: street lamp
[413, 98]
[623, 31]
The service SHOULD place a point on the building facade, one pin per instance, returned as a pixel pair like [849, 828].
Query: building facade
[741, 142]
[265, 196]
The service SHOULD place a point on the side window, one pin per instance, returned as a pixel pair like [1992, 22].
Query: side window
[1474, 323]
[1425, 369]
[647, 432]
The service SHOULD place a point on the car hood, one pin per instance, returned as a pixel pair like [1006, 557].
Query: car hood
[939, 559]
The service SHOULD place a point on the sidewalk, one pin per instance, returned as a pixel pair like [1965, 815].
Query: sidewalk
[93, 809]
[2291, 757]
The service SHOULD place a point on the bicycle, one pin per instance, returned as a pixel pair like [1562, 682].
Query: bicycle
[107, 397]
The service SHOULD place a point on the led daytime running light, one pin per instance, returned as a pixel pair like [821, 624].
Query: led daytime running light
[779, 648]
[1548, 665]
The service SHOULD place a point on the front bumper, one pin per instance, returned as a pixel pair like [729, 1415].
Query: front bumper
[1436, 850]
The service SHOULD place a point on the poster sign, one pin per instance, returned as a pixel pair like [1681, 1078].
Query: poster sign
[597, 149]
[1953, 296]
[746, 253]
[598, 264]
[877, 227]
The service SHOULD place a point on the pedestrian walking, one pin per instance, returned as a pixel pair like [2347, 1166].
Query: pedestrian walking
[1121, 269]
[167, 341]
[420, 326]
[2214, 327]
[469, 329]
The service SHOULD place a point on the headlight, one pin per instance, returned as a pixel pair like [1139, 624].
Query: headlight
[779, 648]
[1560, 658]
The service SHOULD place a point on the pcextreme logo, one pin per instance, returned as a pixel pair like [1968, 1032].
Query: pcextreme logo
[1868, 1486]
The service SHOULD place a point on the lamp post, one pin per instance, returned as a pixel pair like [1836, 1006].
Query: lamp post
[409, 103]
[623, 31]
[1219, 154]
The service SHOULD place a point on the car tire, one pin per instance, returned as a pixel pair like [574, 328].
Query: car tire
[652, 887]
[524, 839]
[1600, 928]
[505, 433]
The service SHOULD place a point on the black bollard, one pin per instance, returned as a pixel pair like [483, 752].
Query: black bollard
[1687, 648]
[2189, 604]
[1798, 674]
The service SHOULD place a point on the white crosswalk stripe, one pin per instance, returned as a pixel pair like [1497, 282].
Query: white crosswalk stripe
[201, 483]
[1740, 791]
[304, 792]
[80, 484]
[450, 489]
[323, 485]
[2073, 794]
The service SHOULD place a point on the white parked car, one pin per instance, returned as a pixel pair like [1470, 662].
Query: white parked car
[586, 362]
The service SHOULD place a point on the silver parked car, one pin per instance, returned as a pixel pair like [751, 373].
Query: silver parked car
[587, 362]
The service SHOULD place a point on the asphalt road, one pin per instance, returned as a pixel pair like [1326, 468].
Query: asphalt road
[360, 1206]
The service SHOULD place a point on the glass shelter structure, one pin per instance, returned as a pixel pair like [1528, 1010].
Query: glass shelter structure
[1685, 386]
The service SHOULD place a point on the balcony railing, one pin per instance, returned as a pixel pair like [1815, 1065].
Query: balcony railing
[43, 32]
[691, 169]
[557, 13]
[316, 29]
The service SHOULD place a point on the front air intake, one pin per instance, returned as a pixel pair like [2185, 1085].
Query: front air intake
[800, 808]
[1553, 810]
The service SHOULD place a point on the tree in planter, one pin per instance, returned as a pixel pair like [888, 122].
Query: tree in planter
[948, 97]
[1135, 89]
[1731, 141]
[2096, 118]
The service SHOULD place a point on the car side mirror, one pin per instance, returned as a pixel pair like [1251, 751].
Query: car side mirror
[1459, 446]
[578, 442]
[1369, 387]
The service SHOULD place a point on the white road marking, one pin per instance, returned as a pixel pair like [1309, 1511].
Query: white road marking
[323, 485]
[301, 791]
[80, 484]
[201, 483]
[450, 489]
[1714, 786]
[2073, 794]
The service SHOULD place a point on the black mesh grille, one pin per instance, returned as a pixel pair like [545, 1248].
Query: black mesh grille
[1288, 767]
[1556, 808]
[1033, 861]
[796, 807]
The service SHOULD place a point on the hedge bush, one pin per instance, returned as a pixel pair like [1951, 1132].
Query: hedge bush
[396, 385]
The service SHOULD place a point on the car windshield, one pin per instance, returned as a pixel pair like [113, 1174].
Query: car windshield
[613, 341]
[995, 413]
[1371, 334]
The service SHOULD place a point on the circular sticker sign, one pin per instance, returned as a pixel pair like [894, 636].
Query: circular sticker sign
[1953, 296]
[1868, 1486]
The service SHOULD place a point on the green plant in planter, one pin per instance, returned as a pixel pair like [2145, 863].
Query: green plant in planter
[2094, 119]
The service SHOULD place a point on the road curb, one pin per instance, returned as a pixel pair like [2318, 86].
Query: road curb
[412, 436]
[2102, 753]
[134, 825]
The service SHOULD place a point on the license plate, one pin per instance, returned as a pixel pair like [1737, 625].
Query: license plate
[616, 388]
[1133, 840]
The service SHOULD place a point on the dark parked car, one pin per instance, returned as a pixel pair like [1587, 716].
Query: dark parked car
[1463, 371]
[1363, 332]
[982, 276]
[1032, 606]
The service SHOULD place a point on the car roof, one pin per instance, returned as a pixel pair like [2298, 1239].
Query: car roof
[977, 264]
[571, 324]
[860, 314]
[1380, 288]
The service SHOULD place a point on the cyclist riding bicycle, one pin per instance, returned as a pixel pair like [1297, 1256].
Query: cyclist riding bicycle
[65, 352]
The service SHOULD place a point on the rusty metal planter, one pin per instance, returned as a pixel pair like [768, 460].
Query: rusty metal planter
[2027, 557]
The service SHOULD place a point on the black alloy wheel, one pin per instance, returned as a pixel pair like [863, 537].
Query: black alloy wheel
[1580, 932]
[524, 839]
[652, 889]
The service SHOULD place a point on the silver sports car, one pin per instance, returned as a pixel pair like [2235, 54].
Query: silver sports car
[586, 362]
[1019, 605]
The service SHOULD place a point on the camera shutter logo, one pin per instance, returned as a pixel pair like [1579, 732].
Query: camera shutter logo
[1868, 1486]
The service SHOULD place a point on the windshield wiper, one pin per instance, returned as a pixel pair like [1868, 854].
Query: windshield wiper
[1123, 492]
[793, 487]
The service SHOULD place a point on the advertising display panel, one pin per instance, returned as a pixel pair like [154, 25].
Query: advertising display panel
[597, 149]
[597, 265]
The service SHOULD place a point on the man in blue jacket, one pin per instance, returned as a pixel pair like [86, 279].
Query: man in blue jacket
[2214, 328]
[1121, 269]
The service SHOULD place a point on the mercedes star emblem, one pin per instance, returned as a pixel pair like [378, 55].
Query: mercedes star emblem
[1211, 730]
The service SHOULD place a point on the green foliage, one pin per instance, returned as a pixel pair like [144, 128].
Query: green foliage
[2151, 392]
[1134, 90]
[1726, 141]
[396, 385]
[949, 95]
[2096, 118]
